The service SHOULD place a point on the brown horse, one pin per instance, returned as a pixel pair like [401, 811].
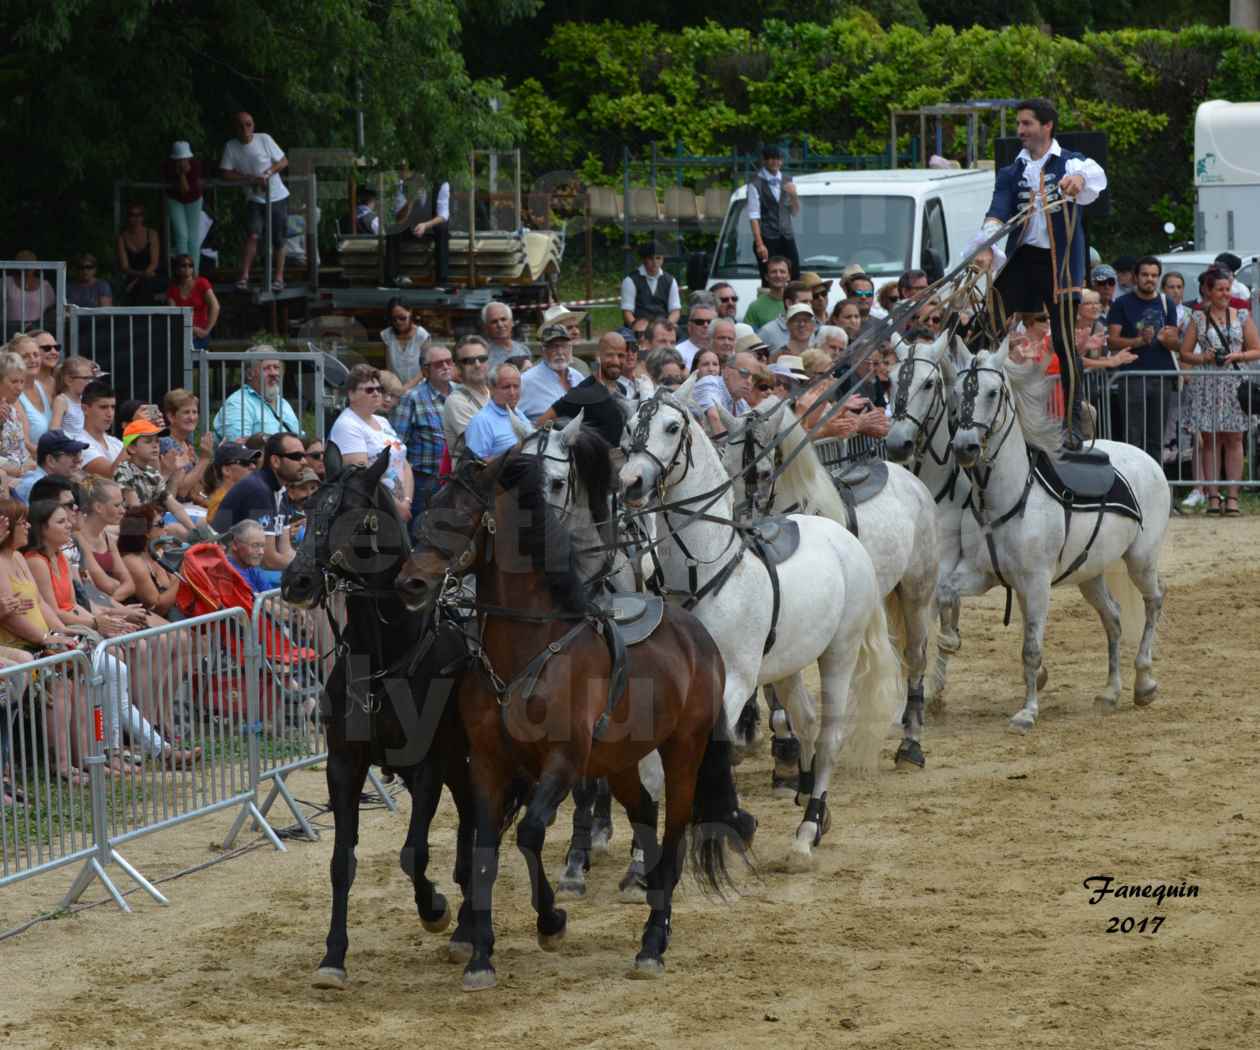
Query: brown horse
[538, 699]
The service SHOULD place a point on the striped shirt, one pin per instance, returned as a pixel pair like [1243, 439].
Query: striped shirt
[420, 427]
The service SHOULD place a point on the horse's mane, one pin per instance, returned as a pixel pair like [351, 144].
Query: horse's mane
[805, 479]
[1031, 390]
[542, 537]
[592, 464]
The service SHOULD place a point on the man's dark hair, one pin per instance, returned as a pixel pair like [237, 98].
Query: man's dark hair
[779, 259]
[852, 279]
[366, 194]
[904, 281]
[1229, 260]
[770, 150]
[1124, 264]
[1148, 260]
[655, 323]
[275, 445]
[1043, 109]
[50, 488]
[795, 288]
[97, 390]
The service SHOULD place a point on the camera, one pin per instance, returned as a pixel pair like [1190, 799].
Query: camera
[1220, 353]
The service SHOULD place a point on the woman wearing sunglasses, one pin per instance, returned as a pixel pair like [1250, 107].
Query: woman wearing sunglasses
[362, 435]
[187, 289]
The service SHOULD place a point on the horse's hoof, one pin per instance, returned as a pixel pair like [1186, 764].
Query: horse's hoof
[909, 756]
[800, 859]
[439, 924]
[1145, 696]
[1021, 722]
[479, 980]
[570, 889]
[1043, 676]
[783, 786]
[550, 942]
[331, 977]
[647, 968]
[1105, 704]
[632, 891]
[459, 952]
[600, 839]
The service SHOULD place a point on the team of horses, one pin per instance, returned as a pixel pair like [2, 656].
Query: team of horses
[557, 621]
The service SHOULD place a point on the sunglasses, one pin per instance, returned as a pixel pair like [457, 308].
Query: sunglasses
[744, 372]
[820, 293]
[370, 389]
[294, 457]
[241, 462]
[935, 319]
[862, 295]
[671, 382]
[728, 298]
[1106, 280]
[51, 348]
[480, 359]
[764, 388]
[314, 455]
[700, 322]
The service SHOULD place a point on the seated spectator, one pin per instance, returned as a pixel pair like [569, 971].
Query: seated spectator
[707, 363]
[650, 291]
[245, 554]
[15, 459]
[314, 456]
[139, 254]
[848, 315]
[182, 414]
[470, 395]
[543, 386]
[257, 495]
[152, 585]
[100, 515]
[361, 435]
[391, 394]
[196, 293]
[56, 455]
[665, 367]
[722, 340]
[496, 326]
[34, 402]
[258, 406]
[51, 351]
[87, 290]
[497, 427]
[404, 343]
[181, 172]
[761, 386]
[232, 461]
[297, 492]
[72, 377]
[701, 313]
[140, 476]
[27, 295]
[104, 453]
[834, 340]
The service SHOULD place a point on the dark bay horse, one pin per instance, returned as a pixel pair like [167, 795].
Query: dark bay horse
[386, 700]
[541, 701]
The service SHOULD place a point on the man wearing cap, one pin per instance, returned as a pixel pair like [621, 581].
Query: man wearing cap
[420, 423]
[569, 320]
[650, 291]
[1125, 268]
[1102, 279]
[775, 334]
[498, 426]
[789, 371]
[1032, 281]
[772, 202]
[597, 396]
[819, 291]
[801, 327]
[701, 312]
[763, 310]
[543, 386]
[257, 407]
[496, 326]
[139, 475]
[258, 496]
[230, 456]
[56, 455]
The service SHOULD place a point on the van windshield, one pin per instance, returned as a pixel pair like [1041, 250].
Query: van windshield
[875, 231]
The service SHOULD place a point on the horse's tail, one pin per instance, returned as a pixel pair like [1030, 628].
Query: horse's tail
[716, 818]
[896, 617]
[875, 695]
[519, 790]
[1132, 606]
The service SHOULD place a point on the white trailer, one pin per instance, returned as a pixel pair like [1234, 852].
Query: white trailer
[1227, 176]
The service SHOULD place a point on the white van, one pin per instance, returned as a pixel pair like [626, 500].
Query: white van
[1227, 176]
[888, 221]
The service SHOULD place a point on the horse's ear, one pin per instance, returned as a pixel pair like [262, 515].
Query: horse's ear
[902, 349]
[683, 393]
[949, 370]
[730, 424]
[1000, 355]
[377, 470]
[572, 429]
[332, 461]
[626, 406]
[959, 353]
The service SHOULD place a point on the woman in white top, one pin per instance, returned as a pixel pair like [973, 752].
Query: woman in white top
[67, 412]
[34, 402]
[404, 343]
[361, 435]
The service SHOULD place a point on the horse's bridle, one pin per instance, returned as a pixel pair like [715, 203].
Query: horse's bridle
[749, 459]
[639, 441]
[937, 410]
[967, 410]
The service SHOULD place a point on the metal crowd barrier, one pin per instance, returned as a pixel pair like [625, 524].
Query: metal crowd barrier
[216, 376]
[43, 306]
[145, 349]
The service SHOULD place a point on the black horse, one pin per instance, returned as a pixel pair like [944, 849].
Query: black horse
[386, 700]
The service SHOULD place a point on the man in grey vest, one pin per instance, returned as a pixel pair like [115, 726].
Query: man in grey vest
[650, 291]
[772, 202]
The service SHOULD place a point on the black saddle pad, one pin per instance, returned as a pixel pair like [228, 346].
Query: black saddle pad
[1086, 481]
[636, 616]
[775, 539]
[865, 480]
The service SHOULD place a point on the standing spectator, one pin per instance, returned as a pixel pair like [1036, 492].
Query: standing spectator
[650, 291]
[27, 296]
[56, 455]
[139, 254]
[34, 401]
[420, 425]
[543, 386]
[1144, 322]
[258, 406]
[1219, 337]
[232, 462]
[422, 215]
[362, 435]
[497, 427]
[391, 394]
[258, 494]
[817, 362]
[182, 414]
[366, 219]
[404, 343]
[496, 326]
[1102, 279]
[470, 396]
[702, 310]
[104, 453]
[661, 332]
[775, 333]
[181, 172]
[87, 289]
[1173, 285]
[772, 202]
[597, 396]
[15, 456]
[727, 300]
[635, 379]
[777, 274]
[1125, 269]
[254, 159]
[848, 315]
[1090, 342]
[706, 363]
[189, 290]
[1239, 293]
[71, 380]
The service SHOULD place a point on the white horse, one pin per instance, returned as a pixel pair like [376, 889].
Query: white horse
[828, 604]
[897, 528]
[1017, 532]
[920, 438]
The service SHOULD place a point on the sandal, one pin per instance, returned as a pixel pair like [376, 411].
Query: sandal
[242, 285]
[1232, 511]
[73, 777]
[179, 759]
[1214, 505]
[13, 795]
[277, 286]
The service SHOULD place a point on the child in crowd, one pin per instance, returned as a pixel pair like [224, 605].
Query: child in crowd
[140, 476]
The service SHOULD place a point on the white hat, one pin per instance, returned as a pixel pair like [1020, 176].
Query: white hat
[796, 309]
[181, 151]
[791, 366]
[742, 330]
[561, 314]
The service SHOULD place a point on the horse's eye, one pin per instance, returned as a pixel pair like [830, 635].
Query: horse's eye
[928, 385]
[556, 484]
[673, 428]
[990, 394]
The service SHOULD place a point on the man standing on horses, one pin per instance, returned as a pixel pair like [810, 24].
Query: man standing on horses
[1045, 254]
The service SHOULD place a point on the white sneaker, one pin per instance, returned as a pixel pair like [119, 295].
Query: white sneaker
[1195, 499]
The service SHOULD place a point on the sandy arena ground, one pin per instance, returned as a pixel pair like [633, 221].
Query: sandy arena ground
[947, 909]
